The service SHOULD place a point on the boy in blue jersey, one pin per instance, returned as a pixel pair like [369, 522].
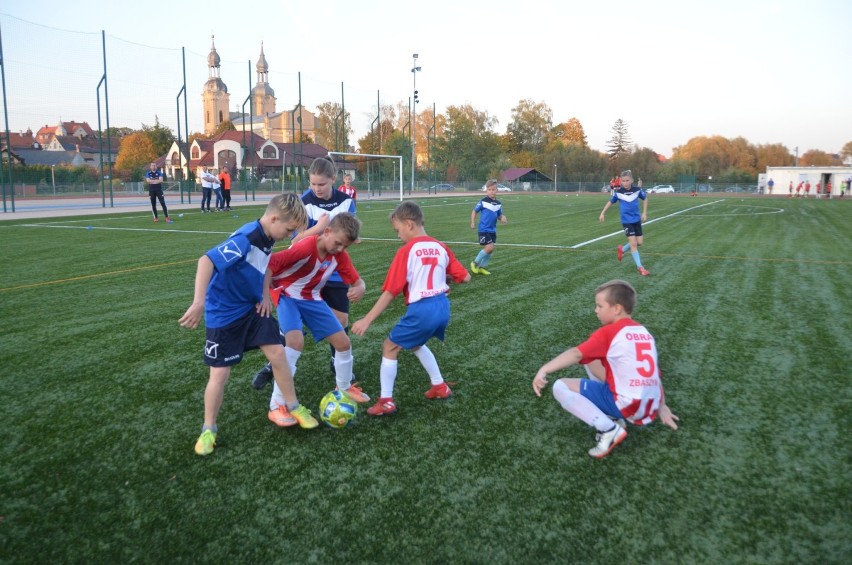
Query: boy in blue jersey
[628, 198]
[323, 202]
[490, 211]
[236, 305]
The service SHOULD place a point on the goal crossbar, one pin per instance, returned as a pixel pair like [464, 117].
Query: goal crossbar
[333, 154]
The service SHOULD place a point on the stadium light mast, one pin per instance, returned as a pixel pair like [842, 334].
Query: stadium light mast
[414, 69]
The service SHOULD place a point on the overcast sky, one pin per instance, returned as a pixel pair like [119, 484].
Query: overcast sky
[771, 72]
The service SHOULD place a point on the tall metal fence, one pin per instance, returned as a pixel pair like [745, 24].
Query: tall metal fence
[54, 75]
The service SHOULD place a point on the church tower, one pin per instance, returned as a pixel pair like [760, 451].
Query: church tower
[215, 98]
[263, 97]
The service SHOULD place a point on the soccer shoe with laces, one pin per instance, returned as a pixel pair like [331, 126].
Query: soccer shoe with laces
[262, 377]
[169, 221]
[620, 252]
[438, 391]
[206, 442]
[383, 407]
[474, 269]
[281, 417]
[356, 394]
[483, 271]
[303, 416]
[156, 220]
[643, 272]
[607, 441]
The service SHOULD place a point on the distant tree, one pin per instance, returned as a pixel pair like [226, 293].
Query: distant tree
[570, 133]
[118, 131]
[195, 135]
[333, 126]
[161, 136]
[530, 125]
[620, 141]
[819, 158]
[468, 144]
[136, 152]
[772, 155]
[222, 128]
[846, 152]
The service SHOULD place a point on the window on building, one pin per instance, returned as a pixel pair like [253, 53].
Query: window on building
[269, 152]
[195, 153]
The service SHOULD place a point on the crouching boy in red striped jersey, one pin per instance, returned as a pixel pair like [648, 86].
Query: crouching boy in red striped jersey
[419, 269]
[621, 359]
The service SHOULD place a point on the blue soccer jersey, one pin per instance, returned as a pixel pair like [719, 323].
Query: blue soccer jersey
[490, 211]
[338, 203]
[244, 257]
[628, 204]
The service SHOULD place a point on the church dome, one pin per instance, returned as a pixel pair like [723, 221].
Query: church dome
[215, 84]
[262, 65]
[213, 58]
[262, 89]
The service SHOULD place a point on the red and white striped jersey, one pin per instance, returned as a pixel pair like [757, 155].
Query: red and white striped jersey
[629, 355]
[420, 269]
[300, 273]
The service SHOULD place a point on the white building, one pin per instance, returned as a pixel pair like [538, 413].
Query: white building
[783, 176]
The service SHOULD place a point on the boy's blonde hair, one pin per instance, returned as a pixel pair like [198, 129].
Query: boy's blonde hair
[347, 224]
[408, 210]
[619, 292]
[288, 207]
[490, 183]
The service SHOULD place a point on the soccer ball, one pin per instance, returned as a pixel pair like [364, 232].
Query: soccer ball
[337, 409]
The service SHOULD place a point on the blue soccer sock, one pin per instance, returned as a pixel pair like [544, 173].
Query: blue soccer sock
[480, 257]
[626, 248]
[486, 257]
[636, 258]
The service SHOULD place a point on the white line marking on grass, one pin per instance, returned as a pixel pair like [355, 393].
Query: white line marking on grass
[101, 228]
[621, 232]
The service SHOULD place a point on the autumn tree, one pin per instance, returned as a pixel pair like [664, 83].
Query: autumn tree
[570, 133]
[136, 152]
[815, 157]
[772, 155]
[846, 152]
[223, 126]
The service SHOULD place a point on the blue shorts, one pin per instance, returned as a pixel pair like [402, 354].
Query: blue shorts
[423, 320]
[315, 314]
[336, 295]
[225, 346]
[601, 396]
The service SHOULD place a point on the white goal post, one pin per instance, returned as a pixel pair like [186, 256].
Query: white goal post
[364, 157]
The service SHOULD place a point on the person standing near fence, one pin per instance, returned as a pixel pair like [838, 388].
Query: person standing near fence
[225, 181]
[154, 178]
[347, 188]
[207, 181]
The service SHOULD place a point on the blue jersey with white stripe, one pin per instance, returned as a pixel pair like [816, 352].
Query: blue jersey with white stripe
[490, 211]
[316, 207]
[239, 266]
[628, 204]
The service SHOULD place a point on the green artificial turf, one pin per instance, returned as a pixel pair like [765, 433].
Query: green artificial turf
[750, 301]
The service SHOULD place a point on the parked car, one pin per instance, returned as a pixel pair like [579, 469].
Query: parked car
[606, 188]
[500, 188]
[661, 189]
[440, 187]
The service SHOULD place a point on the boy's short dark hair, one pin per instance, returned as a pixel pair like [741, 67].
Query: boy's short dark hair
[619, 292]
[347, 224]
[408, 210]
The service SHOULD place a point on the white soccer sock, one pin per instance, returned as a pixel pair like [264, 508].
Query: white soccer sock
[343, 368]
[277, 397]
[427, 359]
[581, 407]
[387, 376]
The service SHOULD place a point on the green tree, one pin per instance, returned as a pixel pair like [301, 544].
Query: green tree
[530, 125]
[468, 144]
[161, 136]
[620, 141]
[333, 126]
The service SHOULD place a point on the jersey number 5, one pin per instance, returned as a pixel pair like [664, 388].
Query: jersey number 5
[643, 356]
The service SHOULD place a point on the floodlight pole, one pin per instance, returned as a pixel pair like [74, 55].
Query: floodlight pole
[414, 69]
